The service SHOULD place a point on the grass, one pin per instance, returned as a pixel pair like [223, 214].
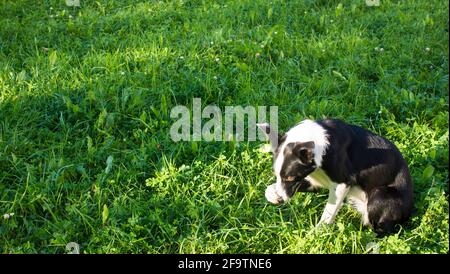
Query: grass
[85, 97]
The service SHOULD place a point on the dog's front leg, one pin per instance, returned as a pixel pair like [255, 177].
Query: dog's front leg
[336, 197]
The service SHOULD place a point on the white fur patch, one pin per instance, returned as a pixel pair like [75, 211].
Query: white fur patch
[305, 131]
[336, 197]
[357, 198]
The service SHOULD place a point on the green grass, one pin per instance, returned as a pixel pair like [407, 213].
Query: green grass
[79, 86]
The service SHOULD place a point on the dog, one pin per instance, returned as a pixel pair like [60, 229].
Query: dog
[351, 162]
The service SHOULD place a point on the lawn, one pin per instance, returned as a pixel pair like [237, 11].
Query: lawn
[85, 100]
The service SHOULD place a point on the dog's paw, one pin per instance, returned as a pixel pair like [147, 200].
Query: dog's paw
[325, 221]
[272, 195]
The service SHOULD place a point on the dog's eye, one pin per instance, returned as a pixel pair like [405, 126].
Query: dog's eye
[290, 178]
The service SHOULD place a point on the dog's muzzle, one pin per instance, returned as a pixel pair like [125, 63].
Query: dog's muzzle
[275, 197]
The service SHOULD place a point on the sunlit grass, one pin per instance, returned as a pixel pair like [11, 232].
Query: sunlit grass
[85, 97]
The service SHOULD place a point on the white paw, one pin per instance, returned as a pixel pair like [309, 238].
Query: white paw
[325, 220]
[323, 223]
[272, 195]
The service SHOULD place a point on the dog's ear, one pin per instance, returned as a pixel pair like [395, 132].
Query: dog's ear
[274, 137]
[304, 151]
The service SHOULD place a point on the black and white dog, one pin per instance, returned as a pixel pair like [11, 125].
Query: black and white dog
[351, 162]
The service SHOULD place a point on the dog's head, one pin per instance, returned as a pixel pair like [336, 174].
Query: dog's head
[292, 162]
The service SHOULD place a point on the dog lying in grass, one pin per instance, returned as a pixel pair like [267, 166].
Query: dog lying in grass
[351, 162]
